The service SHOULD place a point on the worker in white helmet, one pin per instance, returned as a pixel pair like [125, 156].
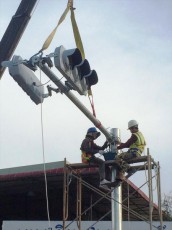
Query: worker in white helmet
[135, 144]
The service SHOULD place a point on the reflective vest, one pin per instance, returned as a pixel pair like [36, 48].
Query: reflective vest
[139, 145]
[87, 143]
[85, 157]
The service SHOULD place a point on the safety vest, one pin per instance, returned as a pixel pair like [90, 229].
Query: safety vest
[139, 145]
[85, 157]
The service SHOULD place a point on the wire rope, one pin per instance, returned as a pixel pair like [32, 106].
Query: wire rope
[44, 83]
[43, 154]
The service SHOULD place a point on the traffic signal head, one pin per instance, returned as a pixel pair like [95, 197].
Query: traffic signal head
[26, 79]
[74, 69]
[71, 57]
[91, 78]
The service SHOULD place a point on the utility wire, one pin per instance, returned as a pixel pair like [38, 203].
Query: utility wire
[44, 83]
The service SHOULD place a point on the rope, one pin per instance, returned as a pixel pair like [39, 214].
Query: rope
[51, 36]
[44, 83]
[43, 154]
[90, 95]
[76, 33]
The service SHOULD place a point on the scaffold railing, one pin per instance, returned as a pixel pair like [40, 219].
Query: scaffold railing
[74, 170]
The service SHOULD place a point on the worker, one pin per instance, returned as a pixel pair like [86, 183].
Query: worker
[136, 145]
[89, 149]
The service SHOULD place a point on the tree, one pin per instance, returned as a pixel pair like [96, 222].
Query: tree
[167, 206]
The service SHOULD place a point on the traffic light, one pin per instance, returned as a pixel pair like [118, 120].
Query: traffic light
[77, 71]
[26, 79]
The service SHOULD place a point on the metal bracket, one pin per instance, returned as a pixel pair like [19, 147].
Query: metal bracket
[10, 63]
[50, 89]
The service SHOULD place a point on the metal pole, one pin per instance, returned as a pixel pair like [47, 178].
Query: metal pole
[150, 188]
[159, 195]
[65, 195]
[78, 202]
[116, 194]
[75, 100]
[91, 210]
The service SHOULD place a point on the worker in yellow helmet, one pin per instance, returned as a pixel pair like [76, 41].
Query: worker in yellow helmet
[136, 144]
[89, 149]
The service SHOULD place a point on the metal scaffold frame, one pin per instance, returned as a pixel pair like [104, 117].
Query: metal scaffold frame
[73, 170]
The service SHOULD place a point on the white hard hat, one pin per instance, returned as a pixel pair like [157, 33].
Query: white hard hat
[132, 123]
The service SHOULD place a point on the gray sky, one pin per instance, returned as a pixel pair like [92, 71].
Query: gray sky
[128, 43]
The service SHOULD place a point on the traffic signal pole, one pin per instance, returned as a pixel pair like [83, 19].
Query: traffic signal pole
[64, 89]
[116, 193]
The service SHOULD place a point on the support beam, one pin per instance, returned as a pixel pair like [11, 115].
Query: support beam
[150, 189]
[141, 167]
[159, 196]
[108, 163]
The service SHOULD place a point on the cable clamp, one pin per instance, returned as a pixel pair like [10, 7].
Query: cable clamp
[50, 89]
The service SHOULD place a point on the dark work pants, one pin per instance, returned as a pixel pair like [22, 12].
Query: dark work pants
[101, 164]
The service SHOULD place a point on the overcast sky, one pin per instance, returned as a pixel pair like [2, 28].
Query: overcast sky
[128, 43]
